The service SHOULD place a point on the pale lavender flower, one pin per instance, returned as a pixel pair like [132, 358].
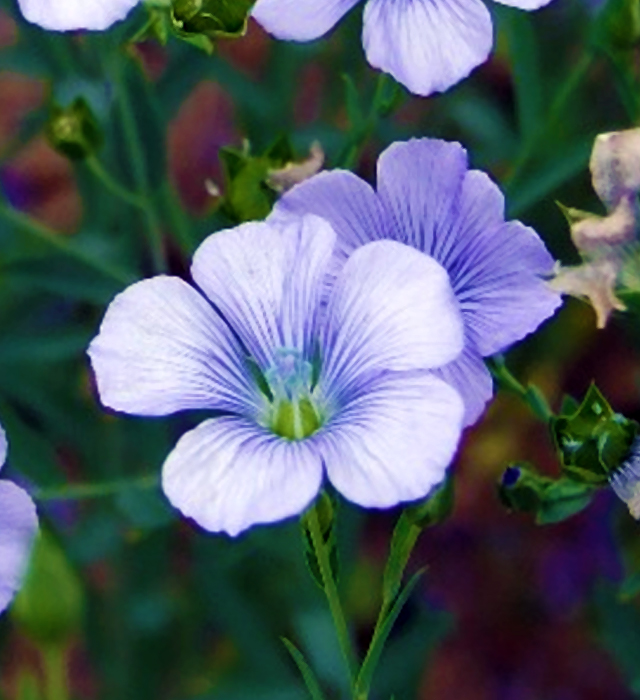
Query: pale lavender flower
[63, 15]
[309, 384]
[427, 45]
[428, 198]
[18, 526]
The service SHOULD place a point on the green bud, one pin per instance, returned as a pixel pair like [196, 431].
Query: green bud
[49, 606]
[203, 21]
[74, 130]
[594, 440]
[436, 508]
[524, 490]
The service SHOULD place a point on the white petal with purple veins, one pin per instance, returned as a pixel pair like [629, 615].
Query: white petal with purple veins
[394, 440]
[63, 15]
[18, 526]
[427, 45]
[267, 279]
[391, 308]
[229, 474]
[300, 20]
[162, 348]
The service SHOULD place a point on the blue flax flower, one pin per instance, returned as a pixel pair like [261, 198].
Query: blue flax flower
[307, 383]
[18, 526]
[427, 45]
[428, 198]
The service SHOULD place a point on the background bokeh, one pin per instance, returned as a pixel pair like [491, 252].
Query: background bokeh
[507, 610]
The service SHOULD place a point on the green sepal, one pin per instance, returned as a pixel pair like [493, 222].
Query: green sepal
[49, 607]
[593, 440]
[524, 490]
[436, 508]
[203, 21]
[326, 509]
[73, 131]
[247, 194]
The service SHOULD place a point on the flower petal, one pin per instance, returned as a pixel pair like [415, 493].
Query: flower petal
[18, 526]
[346, 201]
[457, 216]
[469, 376]
[525, 4]
[300, 20]
[391, 308]
[394, 440]
[425, 45]
[3, 447]
[162, 349]
[267, 280]
[63, 15]
[229, 474]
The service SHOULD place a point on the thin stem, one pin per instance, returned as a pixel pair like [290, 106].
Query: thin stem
[79, 492]
[178, 216]
[154, 227]
[112, 185]
[331, 591]
[43, 233]
[530, 394]
[55, 672]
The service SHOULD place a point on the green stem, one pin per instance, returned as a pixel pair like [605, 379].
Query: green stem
[530, 394]
[59, 242]
[154, 227]
[78, 492]
[179, 219]
[55, 672]
[331, 591]
[112, 185]
[555, 112]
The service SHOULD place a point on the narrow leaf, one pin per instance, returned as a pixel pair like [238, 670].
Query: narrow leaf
[310, 680]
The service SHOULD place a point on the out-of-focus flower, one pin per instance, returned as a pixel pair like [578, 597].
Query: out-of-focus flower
[63, 15]
[18, 526]
[605, 242]
[427, 45]
[307, 383]
[428, 198]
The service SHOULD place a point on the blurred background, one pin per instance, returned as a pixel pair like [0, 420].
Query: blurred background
[142, 605]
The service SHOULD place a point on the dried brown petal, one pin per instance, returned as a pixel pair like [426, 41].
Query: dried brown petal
[292, 174]
[615, 166]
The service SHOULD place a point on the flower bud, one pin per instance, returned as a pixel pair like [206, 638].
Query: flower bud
[73, 130]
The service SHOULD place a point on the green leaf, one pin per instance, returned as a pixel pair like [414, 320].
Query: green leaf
[630, 587]
[562, 499]
[365, 677]
[312, 683]
[594, 440]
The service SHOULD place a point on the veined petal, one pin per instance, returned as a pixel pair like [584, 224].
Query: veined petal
[427, 45]
[469, 376]
[267, 280]
[456, 215]
[391, 308]
[229, 474]
[300, 20]
[162, 349]
[63, 15]
[3, 447]
[18, 526]
[346, 201]
[393, 440]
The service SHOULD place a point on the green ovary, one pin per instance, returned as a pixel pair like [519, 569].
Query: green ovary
[295, 420]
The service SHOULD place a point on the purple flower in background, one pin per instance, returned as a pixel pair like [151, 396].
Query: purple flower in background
[18, 526]
[307, 387]
[428, 198]
[427, 45]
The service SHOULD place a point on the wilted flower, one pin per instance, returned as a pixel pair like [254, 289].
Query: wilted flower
[301, 387]
[427, 198]
[427, 45]
[18, 526]
[605, 241]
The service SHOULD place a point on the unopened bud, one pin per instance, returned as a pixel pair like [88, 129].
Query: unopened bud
[73, 130]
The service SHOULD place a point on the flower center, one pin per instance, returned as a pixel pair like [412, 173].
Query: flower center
[293, 412]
